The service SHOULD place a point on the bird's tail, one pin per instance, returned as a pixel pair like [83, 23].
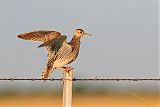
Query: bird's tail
[46, 73]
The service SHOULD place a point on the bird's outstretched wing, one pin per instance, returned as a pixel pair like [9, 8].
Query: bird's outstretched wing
[44, 36]
[41, 36]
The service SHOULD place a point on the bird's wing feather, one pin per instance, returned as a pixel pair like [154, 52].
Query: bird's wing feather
[65, 50]
[55, 44]
[41, 36]
[62, 53]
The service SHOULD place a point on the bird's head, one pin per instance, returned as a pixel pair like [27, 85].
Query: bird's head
[80, 33]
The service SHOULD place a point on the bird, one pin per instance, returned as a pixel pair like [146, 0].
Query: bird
[59, 52]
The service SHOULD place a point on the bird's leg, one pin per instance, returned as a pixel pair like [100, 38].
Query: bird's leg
[64, 68]
[60, 68]
[68, 69]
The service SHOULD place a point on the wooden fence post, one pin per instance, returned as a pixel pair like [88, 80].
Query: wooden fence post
[67, 88]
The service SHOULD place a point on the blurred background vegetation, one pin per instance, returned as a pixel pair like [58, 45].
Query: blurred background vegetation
[85, 94]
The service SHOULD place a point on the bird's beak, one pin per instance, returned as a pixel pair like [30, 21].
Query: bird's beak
[86, 34]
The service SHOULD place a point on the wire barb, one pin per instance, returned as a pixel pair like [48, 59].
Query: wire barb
[81, 79]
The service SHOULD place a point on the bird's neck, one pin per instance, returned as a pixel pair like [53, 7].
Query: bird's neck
[75, 40]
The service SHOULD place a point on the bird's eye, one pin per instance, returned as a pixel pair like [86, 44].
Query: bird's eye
[81, 32]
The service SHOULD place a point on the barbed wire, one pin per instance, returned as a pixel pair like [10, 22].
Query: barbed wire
[81, 79]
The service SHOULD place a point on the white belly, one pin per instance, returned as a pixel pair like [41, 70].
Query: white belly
[61, 63]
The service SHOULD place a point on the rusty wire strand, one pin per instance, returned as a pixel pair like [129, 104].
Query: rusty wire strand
[81, 79]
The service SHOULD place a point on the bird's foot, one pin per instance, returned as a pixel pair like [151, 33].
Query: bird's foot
[65, 68]
[68, 70]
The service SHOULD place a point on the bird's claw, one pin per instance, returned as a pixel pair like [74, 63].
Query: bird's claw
[68, 69]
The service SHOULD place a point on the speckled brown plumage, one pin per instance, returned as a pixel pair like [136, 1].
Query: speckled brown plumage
[60, 52]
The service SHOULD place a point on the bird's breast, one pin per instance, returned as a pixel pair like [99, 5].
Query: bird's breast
[67, 54]
[67, 59]
[64, 61]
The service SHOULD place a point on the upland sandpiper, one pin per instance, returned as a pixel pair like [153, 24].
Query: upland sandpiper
[60, 52]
